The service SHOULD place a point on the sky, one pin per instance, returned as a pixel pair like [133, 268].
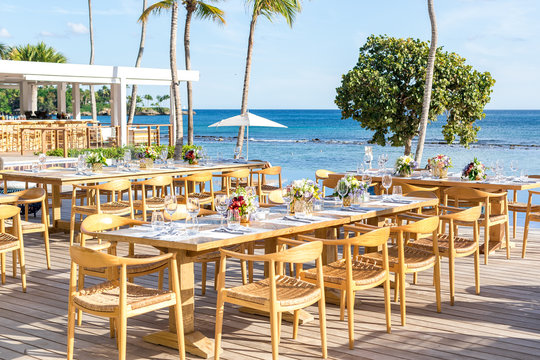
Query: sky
[292, 68]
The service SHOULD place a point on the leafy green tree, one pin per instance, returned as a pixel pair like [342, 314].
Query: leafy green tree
[288, 9]
[384, 92]
[4, 51]
[39, 52]
[148, 98]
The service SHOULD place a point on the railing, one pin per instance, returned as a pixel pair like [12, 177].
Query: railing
[152, 134]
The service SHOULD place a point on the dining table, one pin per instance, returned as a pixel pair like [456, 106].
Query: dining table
[210, 237]
[57, 178]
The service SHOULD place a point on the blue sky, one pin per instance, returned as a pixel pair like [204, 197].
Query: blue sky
[292, 68]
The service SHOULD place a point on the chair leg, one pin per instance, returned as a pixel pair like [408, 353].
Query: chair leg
[80, 286]
[161, 276]
[387, 308]
[280, 318]
[219, 326]
[451, 274]
[70, 330]
[72, 227]
[514, 219]
[14, 263]
[525, 236]
[274, 334]
[112, 328]
[486, 245]
[216, 272]
[477, 271]
[180, 330]
[203, 285]
[22, 265]
[506, 236]
[243, 271]
[415, 278]
[295, 324]
[401, 286]
[47, 250]
[322, 325]
[438, 284]
[396, 286]
[121, 324]
[342, 299]
[251, 251]
[3, 265]
[350, 317]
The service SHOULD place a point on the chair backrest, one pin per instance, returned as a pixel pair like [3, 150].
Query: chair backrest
[331, 182]
[275, 197]
[298, 254]
[461, 193]
[424, 226]
[240, 174]
[322, 174]
[30, 196]
[104, 222]
[87, 257]
[9, 211]
[198, 177]
[423, 194]
[373, 238]
[160, 180]
[408, 188]
[114, 185]
[180, 213]
[470, 214]
[274, 170]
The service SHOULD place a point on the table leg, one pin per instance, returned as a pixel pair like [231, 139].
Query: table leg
[196, 342]
[56, 212]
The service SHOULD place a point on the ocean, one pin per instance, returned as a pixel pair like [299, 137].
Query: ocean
[320, 139]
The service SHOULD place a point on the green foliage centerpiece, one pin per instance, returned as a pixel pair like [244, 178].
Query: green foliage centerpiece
[346, 187]
[97, 160]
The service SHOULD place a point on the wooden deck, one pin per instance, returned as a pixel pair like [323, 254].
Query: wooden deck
[503, 322]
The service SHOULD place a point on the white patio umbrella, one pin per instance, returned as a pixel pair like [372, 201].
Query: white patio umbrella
[247, 120]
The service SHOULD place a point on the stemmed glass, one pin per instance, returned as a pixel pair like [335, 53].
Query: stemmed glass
[42, 158]
[514, 166]
[380, 161]
[170, 207]
[221, 203]
[163, 156]
[387, 182]
[193, 209]
[367, 160]
[366, 179]
[499, 169]
[237, 152]
[342, 190]
[359, 168]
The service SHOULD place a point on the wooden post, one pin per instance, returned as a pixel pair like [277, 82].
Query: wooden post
[149, 130]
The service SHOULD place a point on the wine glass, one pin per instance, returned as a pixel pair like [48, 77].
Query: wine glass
[366, 179]
[342, 189]
[233, 219]
[499, 169]
[514, 166]
[193, 208]
[359, 168]
[387, 182]
[163, 156]
[380, 161]
[170, 207]
[221, 203]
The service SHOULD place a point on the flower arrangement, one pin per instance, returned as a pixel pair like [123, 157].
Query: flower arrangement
[439, 165]
[405, 165]
[96, 158]
[349, 183]
[146, 152]
[191, 153]
[243, 202]
[303, 189]
[474, 171]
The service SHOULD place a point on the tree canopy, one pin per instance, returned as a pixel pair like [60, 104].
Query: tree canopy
[384, 92]
[39, 52]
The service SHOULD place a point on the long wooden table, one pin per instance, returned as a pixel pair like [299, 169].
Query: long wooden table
[57, 178]
[187, 249]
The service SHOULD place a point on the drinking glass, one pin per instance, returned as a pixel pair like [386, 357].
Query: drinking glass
[221, 203]
[35, 167]
[367, 161]
[237, 152]
[127, 155]
[384, 158]
[158, 221]
[318, 205]
[163, 155]
[287, 198]
[366, 179]
[397, 192]
[387, 182]
[499, 168]
[42, 158]
[359, 168]
[233, 219]
[342, 190]
[170, 207]
[380, 161]
[514, 166]
[193, 209]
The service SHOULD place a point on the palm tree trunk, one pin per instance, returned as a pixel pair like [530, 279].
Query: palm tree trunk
[408, 146]
[133, 100]
[179, 136]
[429, 81]
[240, 139]
[190, 8]
[91, 30]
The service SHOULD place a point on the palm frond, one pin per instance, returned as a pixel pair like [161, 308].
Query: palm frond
[156, 8]
[206, 11]
[272, 8]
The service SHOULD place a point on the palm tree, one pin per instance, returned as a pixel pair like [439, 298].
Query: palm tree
[39, 52]
[4, 51]
[429, 81]
[158, 8]
[201, 10]
[148, 98]
[269, 9]
[91, 30]
[132, 102]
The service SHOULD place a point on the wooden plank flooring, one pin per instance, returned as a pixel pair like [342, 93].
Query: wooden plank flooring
[501, 323]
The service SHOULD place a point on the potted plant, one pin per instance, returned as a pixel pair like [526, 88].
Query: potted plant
[97, 160]
[475, 170]
[302, 192]
[191, 154]
[439, 165]
[244, 202]
[405, 165]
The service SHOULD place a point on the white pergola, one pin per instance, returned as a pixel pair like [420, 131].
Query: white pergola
[27, 75]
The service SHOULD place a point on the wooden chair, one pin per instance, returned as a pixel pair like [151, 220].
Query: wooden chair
[532, 214]
[233, 179]
[453, 246]
[117, 299]
[351, 274]
[276, 198]
[94, 206]
[404, 259]
[189, 184]
[34, 196]
[408, 188]
[488, 218]
[322, 174]
[330, 183]
[515, 206]
[277, 293]
[12, 242]
[263, 188]
[158, 186]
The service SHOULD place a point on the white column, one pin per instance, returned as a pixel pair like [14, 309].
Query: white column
[61, 98]
[122, 111]
[172, 114]
[22, 97]
[76, 96]
[114, 120]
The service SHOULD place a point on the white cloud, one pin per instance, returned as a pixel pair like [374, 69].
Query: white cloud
[4, 33]
[47, 34]
[77, 28]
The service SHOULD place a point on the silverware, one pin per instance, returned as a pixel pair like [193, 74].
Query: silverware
[296, 219]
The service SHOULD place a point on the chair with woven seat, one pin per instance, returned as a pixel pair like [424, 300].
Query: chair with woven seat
[25, 198]
[158, 186]
[460, 195]
[404, 259]
[322, 174]
[277, 293]
[515, 206]
[117, 299]
[189, 184]
[232, 180]
[453, 246]
[407, 188]
[116, 206]
[351, 274]
[532, 214]
[12, 242]
[264, 188]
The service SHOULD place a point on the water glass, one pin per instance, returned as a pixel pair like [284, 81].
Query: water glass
[397, 192]
[514, 165]
[127, 155]
[158, 221]
[285, 195]
[163, 155]
[387, 181]
[318, 205]
[170, 207]
[221, 203]
[233, 219]
[35, 167]
[366, 179]
[170, 163]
